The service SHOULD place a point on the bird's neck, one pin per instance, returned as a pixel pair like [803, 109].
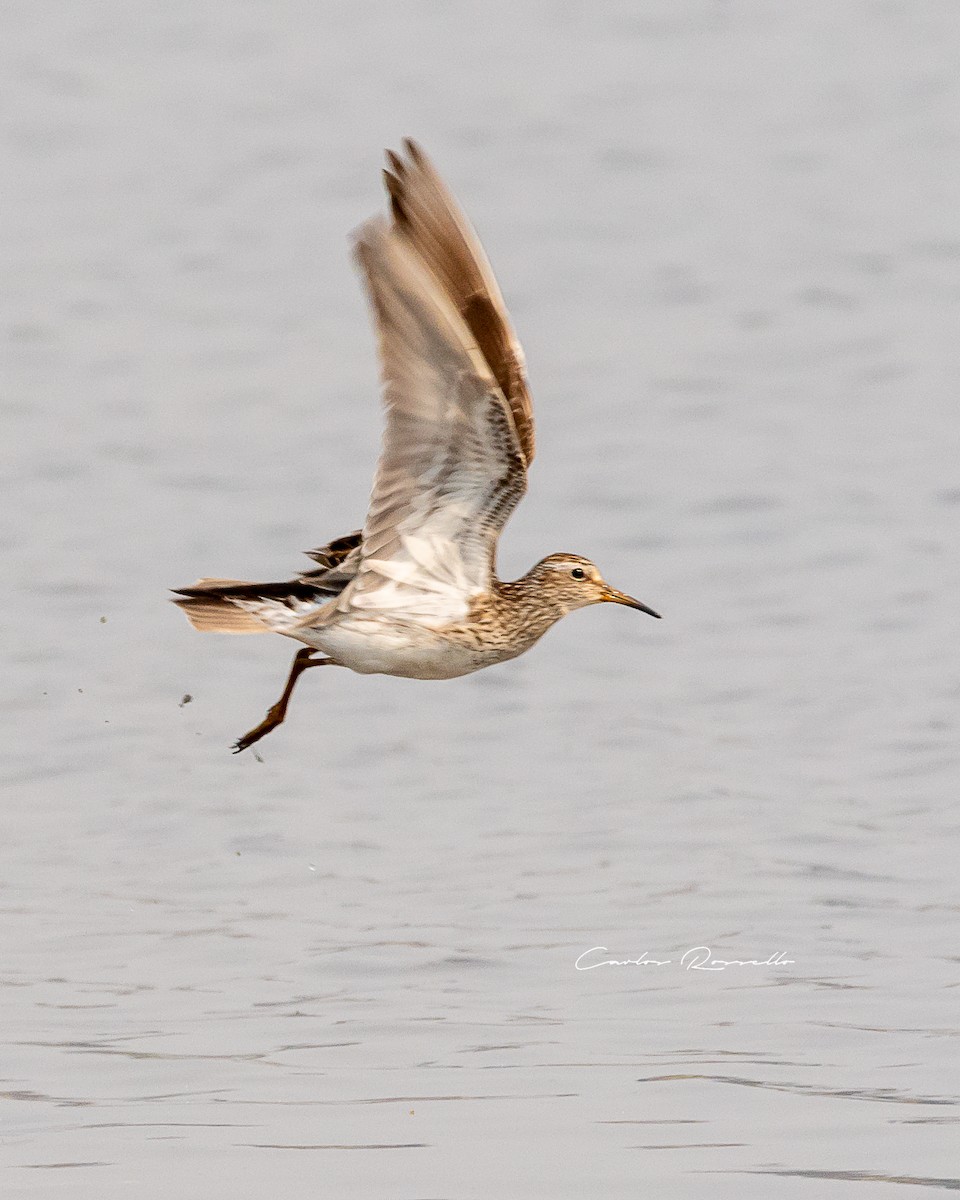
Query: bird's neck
[526, 606]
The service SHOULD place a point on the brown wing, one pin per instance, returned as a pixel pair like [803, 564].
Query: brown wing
[451, 470]
[334, 553]
[429, 219]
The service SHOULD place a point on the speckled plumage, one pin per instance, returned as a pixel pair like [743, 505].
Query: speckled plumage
[415, 592]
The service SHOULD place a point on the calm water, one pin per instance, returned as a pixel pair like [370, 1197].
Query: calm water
[728, 233]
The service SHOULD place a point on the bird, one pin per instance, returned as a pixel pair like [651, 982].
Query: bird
[415, 592]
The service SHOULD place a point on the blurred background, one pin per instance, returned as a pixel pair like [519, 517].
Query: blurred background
[728, 235]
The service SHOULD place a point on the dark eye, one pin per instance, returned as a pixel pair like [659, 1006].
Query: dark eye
[578, 573]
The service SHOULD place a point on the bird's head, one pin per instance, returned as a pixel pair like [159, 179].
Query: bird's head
[573, 582]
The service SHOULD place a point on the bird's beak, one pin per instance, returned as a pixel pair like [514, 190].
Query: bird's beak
[615, 597]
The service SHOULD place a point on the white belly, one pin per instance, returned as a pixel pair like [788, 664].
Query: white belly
[376, 647]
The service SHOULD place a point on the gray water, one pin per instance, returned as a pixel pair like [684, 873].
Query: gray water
[728, 233]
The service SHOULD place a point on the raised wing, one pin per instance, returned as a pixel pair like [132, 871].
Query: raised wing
[428, 218]
[452, 468]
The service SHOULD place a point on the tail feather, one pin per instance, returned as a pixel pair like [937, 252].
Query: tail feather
[234, 606]
[217, 614]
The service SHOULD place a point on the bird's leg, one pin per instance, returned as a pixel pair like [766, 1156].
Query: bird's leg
[302, 660]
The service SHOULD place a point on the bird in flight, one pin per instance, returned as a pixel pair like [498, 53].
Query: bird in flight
[415, 592]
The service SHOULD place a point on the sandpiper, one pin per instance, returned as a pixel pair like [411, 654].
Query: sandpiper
[415, 592]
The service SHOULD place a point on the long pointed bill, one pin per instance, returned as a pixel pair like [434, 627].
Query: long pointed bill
[616, 597]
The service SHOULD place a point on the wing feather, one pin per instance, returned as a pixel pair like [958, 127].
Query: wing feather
[452, 468]
[427, 216]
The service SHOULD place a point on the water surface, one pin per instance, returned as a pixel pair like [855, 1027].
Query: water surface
[728, 234]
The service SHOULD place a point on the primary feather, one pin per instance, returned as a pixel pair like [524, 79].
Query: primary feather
[451, 470]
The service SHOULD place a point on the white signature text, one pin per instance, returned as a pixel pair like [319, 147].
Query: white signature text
[697, 958]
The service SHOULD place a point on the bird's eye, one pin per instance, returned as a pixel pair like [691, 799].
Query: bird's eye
[578, 573]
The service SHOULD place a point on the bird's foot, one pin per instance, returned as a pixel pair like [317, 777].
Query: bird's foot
[274, 717]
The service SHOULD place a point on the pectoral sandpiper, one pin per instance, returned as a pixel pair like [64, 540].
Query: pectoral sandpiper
[415, 592]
